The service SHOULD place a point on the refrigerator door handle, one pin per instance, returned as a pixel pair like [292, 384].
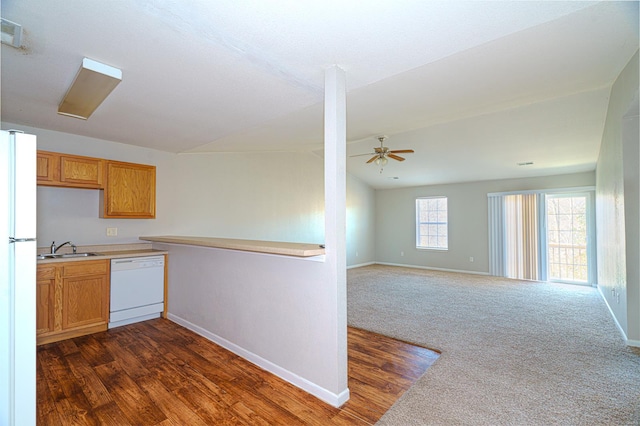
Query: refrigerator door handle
[20, 240]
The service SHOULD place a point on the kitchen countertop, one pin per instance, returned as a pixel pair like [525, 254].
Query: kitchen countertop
[115, 251]
[269, 247]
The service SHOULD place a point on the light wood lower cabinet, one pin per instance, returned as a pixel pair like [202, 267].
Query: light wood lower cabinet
[72, 299]
[45, 301]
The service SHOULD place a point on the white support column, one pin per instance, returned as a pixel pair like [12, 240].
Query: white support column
[335, 195]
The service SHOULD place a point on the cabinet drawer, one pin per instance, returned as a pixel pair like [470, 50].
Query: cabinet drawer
[93, 267]
[46, 272]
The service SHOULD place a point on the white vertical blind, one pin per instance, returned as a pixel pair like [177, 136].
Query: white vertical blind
[513, 236]
[521, 236]
[542, 235]
[496, 235]
[529, 236]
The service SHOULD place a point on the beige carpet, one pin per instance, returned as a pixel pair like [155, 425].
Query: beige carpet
[513, 352]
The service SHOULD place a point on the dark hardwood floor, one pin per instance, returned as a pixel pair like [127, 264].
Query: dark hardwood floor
[159, 373]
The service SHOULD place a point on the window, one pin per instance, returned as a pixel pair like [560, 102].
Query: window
[432, 223]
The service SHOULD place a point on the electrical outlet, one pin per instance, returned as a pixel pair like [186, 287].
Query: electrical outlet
[471, 259]
[401, 253]
[112, 232]
[356, 254]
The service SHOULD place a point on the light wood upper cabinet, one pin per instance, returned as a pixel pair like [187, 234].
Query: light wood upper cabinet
[46, 164]
[72, 299]
[130, 190]
[56, 169]
[83, 171]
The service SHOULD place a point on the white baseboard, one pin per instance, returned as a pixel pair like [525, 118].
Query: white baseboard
[359, 265]
[634, 343]
[433, 269]
[319, 392]
[615, 320]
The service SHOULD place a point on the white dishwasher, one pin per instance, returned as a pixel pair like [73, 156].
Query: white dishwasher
[137, 289]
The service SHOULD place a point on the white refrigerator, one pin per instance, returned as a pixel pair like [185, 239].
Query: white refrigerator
[17, 278]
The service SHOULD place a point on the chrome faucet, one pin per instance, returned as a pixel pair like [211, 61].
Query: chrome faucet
[54, 249]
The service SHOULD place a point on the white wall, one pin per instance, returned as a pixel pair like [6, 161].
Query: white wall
[468, 220]
[617, 201]
[361, 208]
[264, 196]
[283, 322]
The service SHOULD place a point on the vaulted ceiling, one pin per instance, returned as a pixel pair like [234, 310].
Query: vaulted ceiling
[473, 87]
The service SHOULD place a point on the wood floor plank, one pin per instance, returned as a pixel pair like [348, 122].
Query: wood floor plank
[111, 415]
[208, 409]
[56, 372]
[171, 406]
[76, 410]
[67, 347]
[131, 362]
[47, 413]
[93, 351]
[133, 402]
[92, 386]
[158, 373]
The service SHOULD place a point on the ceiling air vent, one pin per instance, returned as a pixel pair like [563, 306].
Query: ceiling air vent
[11, 33]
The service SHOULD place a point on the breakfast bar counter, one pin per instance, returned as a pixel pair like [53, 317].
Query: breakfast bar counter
[268, 247]
[272, 303]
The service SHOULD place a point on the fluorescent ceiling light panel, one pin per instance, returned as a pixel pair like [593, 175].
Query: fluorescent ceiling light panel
[92, 85]
[11, 33]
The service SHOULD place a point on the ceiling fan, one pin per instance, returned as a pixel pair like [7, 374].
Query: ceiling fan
[380, 154]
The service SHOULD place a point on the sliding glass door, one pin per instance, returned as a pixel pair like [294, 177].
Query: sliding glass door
[542, 235]
[568, 229]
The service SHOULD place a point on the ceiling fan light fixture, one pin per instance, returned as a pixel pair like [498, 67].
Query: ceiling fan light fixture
[93, 83]
[381, 161]
[380, 155]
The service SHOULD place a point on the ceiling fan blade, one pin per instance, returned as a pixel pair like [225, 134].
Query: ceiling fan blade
[360, 155]
[395, 157]
[400, 151]
[372, 159]
[378, 150]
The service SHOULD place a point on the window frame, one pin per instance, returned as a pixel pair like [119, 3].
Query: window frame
[437, 223]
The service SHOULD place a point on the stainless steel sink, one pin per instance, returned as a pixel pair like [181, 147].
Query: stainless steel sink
[65, 255]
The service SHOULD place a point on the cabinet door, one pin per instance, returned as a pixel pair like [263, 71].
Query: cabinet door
[46, 165]
[81, 172]
[45, 299]
[85, 301]
[130, 191]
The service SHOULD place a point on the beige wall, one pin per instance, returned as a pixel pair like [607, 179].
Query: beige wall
[268, 196]
[468, 220]
[617, 201]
